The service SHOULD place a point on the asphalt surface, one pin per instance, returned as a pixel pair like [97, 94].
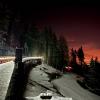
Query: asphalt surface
[68, 87]
[5, 75]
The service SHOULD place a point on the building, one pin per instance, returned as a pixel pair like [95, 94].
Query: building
[5, 50]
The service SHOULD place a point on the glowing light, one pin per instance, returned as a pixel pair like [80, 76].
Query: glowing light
[5, 59]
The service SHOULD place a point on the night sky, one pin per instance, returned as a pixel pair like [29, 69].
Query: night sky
[78, 23]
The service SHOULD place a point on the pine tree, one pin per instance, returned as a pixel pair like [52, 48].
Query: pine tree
[73, 56]
[80, 55]
[63, 47]
[92, 63]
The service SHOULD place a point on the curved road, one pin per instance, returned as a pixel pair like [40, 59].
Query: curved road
[68, 86]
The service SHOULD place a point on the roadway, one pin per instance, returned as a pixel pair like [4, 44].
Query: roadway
[6, 70]
[66, 85]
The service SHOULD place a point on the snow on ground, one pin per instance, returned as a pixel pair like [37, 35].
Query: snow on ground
[6, 70]
[39, 83]
[48, 94]
[48, 69]
[68, 87]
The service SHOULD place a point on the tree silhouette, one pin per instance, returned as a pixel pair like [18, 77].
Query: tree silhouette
[63, 47]
[73, 56]
[96, 60]
[80, 55]
[92, 78]
[92, 62]
[73, 62]
[97, 66]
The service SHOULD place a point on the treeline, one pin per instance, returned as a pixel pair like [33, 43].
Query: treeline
[77, 60]
[91, 72]
[18, 23]
[45, 43]
[92, 77]
[79, 65]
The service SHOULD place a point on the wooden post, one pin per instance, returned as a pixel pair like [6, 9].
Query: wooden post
[15, 88]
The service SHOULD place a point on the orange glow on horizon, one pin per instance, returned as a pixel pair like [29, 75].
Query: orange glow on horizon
[92, 53]
[89, 51]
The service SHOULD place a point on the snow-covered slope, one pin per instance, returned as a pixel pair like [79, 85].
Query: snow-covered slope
[48, 95]
[64, 86]
[38, 81]
[68, 87]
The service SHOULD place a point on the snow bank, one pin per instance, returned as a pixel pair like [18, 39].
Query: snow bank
[48, 69]
[46, 95]
[68, 87]
[38, 80]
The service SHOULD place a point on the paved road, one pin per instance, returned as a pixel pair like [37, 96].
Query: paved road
[5, 75]
[67, 84]
[68, 87]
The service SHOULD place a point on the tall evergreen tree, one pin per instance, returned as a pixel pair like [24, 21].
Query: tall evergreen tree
[73, 56]
[73, 61]
[64, 57]
[92, 63]
[97, 66]
[80, 55]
